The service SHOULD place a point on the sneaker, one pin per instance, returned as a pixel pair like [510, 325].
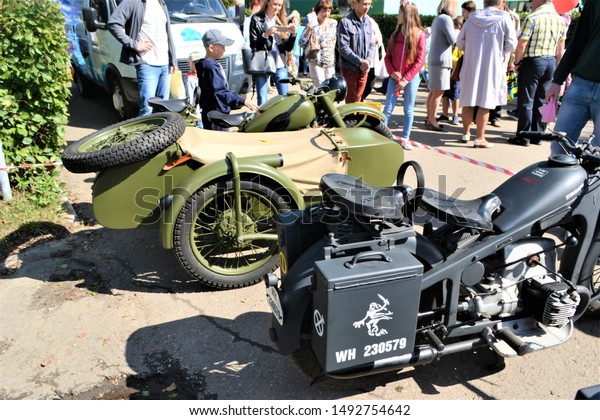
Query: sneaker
[482, 144]
[405, 144]
[512, 115]
[442, 118]
[465, 138]
[455, 120]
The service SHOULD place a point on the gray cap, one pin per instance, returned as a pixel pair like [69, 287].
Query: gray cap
[214, 36]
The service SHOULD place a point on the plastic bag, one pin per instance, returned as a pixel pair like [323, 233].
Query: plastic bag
[548, 111]
[177, 87]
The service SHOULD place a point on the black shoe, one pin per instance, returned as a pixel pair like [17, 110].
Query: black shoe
[519, 141]
[442, 118]
[495, 123]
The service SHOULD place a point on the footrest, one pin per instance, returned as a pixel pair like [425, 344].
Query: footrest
[532, 334]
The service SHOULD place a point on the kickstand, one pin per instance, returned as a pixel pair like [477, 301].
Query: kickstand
[499, 364]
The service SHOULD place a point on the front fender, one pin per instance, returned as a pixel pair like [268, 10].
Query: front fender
[360, 108]
[264, 166]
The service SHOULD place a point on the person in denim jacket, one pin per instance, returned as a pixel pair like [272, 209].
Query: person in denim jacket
[356, 46]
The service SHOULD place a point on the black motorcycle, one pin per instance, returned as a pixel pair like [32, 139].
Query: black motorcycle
[362, 294]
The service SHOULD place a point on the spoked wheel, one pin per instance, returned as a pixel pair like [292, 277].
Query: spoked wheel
[206, 240]
[371, 123]
[590, 275]
[123, 143]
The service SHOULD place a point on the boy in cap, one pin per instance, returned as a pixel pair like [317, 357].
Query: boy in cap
[214, 89]
[190, 81]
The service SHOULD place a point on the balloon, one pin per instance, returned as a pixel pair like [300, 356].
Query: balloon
[564, 6]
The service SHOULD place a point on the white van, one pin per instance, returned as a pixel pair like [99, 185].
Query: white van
[99, 65]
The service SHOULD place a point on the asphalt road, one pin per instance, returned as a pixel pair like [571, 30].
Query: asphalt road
[99, 313]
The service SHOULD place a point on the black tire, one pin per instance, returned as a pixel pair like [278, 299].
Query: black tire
[205, 238]
[123, 143]
[86, 88]
[306, 361]
[371, 123]
[124, 108]
[590, 275]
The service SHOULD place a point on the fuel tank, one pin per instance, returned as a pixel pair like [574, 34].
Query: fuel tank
[539, 191]
[283, 113]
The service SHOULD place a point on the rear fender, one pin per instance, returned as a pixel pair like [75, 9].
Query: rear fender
[226, 169]
[360, 108]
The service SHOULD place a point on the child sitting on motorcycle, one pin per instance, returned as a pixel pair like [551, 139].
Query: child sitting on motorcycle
[214, 89]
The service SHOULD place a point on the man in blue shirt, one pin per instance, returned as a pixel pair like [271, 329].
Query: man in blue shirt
[214, 89]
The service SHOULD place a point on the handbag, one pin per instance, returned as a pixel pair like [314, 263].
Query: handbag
[512, 85]
[313, 46]
[259, 62]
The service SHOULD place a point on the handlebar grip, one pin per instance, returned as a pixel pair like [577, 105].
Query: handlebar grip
[513, 341]
[537, 135]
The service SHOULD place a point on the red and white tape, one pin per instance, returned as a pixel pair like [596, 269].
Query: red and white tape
[463, 158]
[30, 165]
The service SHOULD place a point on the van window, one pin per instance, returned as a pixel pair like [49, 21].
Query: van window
[203, 7]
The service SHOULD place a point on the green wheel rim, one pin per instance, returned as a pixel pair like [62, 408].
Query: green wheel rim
[213, 233]
[121, 134]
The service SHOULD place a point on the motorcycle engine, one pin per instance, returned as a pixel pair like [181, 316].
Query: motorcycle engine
[525, 283]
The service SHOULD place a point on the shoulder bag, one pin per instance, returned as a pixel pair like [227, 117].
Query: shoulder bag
[260, 62]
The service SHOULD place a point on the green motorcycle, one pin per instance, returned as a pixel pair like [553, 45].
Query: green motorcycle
[311, 106]
[214, 195]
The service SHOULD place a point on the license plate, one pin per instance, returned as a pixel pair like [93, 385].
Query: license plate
[275, 304]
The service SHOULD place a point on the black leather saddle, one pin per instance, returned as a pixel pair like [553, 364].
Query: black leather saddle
[167, 105]
[476, 213]
[354, 196]
[228, 120]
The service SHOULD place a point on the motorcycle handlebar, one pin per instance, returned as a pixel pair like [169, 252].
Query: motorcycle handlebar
[589, 154]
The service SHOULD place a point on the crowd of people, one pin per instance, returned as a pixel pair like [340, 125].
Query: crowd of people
[465, 60]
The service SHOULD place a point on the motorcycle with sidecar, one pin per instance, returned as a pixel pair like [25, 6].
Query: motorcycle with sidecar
[214, 195]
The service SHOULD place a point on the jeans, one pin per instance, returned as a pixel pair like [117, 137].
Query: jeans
[535, 76]
[262, 85]
[580, 104]
[410, 96]
[153, 81]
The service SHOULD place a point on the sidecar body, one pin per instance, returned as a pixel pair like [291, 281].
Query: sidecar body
[214, 195]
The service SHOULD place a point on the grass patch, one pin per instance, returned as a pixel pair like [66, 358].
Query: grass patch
[23, 220]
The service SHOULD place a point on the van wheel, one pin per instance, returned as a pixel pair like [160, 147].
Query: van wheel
[85, 86]
[124, 143]
[124, 108]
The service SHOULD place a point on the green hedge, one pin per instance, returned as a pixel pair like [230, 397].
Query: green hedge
[34, 91]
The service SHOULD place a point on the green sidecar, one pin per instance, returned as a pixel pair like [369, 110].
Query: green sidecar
[214, 195]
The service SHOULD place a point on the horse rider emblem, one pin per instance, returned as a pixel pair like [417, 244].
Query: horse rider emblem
[375, 313]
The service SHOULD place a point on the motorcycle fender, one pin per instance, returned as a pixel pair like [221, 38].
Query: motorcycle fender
[362, 109]
[264, 166]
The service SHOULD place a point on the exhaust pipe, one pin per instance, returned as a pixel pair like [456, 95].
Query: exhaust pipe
[422, 356]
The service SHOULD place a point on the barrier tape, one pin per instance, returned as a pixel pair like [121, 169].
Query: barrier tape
[463, 158]
[30, 165]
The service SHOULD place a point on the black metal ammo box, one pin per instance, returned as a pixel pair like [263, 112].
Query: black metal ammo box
[365, 307]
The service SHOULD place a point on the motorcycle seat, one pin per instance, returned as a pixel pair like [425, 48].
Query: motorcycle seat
[356, 197]
[476, 213]
[228, 120]
[167, 105]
